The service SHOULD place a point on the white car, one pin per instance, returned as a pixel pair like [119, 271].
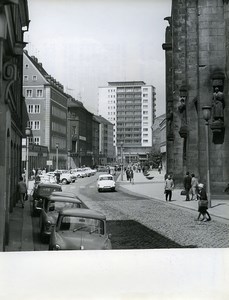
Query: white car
[79, 173]
[105, 182]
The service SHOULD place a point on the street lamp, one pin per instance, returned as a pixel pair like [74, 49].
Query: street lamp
[27, 133]
[57, 153]
[207, 115]
[121, 161]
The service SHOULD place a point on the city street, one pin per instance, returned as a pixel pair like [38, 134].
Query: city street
[172, 223]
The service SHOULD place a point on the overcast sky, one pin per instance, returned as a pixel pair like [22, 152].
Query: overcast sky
[86, 43]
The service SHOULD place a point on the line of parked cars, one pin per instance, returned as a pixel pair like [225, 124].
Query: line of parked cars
[66, 176]
[66, 222]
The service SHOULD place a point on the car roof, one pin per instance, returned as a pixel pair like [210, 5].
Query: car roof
[64, 194]
[83, 212]
[48, 184]
[63, 199]
[105, 175]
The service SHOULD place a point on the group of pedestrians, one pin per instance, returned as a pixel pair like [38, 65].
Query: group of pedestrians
[197, 190]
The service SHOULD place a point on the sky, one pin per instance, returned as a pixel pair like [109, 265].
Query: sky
[84, 44]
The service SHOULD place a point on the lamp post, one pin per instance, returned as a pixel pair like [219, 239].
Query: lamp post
[27, 133]
[121, 161]
[207, 115]
[57, 154]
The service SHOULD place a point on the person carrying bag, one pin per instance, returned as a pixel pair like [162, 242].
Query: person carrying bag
[202, 204]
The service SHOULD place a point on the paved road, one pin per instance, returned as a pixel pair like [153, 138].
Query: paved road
[172, 222]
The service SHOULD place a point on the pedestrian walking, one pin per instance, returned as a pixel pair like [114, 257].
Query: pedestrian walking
[159, 169]
[169, 185]
[128, 174]
[203, 204]
[131, 175]
[187, 185]
[22, 190]
[194, 187]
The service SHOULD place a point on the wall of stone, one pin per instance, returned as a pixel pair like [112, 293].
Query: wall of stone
[198, 59]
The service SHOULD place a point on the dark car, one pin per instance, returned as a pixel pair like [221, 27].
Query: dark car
[80, 229]
[41, 191]
[52, 205]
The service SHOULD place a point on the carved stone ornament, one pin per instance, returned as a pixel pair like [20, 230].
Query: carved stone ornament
[9, 76]
[183, 131]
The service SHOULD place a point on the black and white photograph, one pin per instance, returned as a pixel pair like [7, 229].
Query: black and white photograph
[114, 149]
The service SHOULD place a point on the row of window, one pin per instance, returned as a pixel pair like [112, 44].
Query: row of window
[58, 112]
[26, 77]
[35, 140]
[34, 125]
[33, 108]
[29, 93]
[111, 91]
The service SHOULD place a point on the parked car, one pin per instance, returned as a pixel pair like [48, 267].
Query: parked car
[102, 169]
[68, 195]
[49, 212]
[80, 229]
[41, 191]
[105, 182]
[65, 178]
[89, 171]
[79, 173]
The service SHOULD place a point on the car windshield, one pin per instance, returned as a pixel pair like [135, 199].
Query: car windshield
[75, 224]
[106, 178]
[57, 206]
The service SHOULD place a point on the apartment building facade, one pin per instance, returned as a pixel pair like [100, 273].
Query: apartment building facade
[131, 107]
[106, 147]
[80, 129]
[14, 21]
[47, 109]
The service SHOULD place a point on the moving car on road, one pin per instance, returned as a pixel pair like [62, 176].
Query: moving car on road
[105, 182]
[41, 191]
[80, 229]
[52, 205]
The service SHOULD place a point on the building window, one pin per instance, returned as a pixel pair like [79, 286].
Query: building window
[34, 77]
[26, 66]
[145, 89]
[33, 108]
[145, 141]
[26, 77]
[145, 129]
[39, 93]
[145, 112]
[37, 140]
[29, 93]
[145, 95]
[34, 125]
[145, 118]
[145, 123]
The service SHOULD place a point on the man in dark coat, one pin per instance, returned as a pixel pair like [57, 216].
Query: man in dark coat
[187, 185]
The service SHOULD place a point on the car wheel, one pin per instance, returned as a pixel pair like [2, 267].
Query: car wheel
[99, 190]
[64, 181]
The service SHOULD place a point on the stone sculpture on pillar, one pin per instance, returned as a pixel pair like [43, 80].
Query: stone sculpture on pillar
[182, 110]
[218, 106]
[169, 118]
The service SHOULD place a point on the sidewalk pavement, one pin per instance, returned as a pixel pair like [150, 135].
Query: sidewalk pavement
[21, 231]
[154, 188]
